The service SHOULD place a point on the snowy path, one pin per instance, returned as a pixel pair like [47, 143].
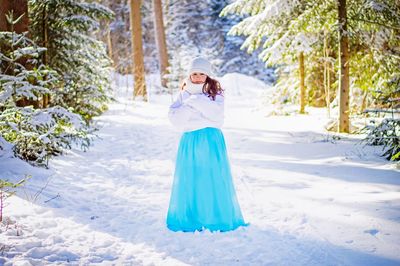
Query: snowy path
[310, 200]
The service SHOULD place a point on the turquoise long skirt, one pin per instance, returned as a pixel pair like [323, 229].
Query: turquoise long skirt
[203, 195]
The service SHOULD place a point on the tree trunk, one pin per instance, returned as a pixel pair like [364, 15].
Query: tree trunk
[160, 40]
[18, 8]
[327, 80]
[4, 8]
[364, 101]
[110, 5]
[344, 122]
[137, 48]
[302, 82]
[45, 56]
[109, 43]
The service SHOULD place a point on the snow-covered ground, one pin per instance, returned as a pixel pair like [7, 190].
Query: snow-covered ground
[310, 198]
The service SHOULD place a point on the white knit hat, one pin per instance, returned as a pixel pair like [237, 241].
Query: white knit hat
[202, 65]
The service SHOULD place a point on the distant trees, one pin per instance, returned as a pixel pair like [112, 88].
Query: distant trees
[191, 27]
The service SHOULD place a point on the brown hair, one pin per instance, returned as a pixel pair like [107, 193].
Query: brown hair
[212, 87]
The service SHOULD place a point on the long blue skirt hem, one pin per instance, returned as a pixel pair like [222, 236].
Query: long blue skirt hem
[203, 195]
[212, 228]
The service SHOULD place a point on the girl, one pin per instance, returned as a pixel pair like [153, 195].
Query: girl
[203, 195]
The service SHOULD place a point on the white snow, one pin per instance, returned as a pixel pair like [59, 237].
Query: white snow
[310, 199]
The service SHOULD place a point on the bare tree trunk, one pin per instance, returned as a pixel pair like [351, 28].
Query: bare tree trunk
[344, 86]
[45, 37]
[108, 33]
[4, 8]
[302, 82]
[160, 40]
[364, 101]
[327, 80]
[109, 43]
[18, 7]
[137, 48]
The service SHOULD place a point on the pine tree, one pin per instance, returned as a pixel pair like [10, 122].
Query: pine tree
[269, 25]
[34, 133]
[67, 30]
[19, 11]
[284, 27]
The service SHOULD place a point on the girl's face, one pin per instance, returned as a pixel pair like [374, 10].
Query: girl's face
[198, 78]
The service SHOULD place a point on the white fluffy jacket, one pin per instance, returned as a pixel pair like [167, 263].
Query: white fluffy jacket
[195, 111]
